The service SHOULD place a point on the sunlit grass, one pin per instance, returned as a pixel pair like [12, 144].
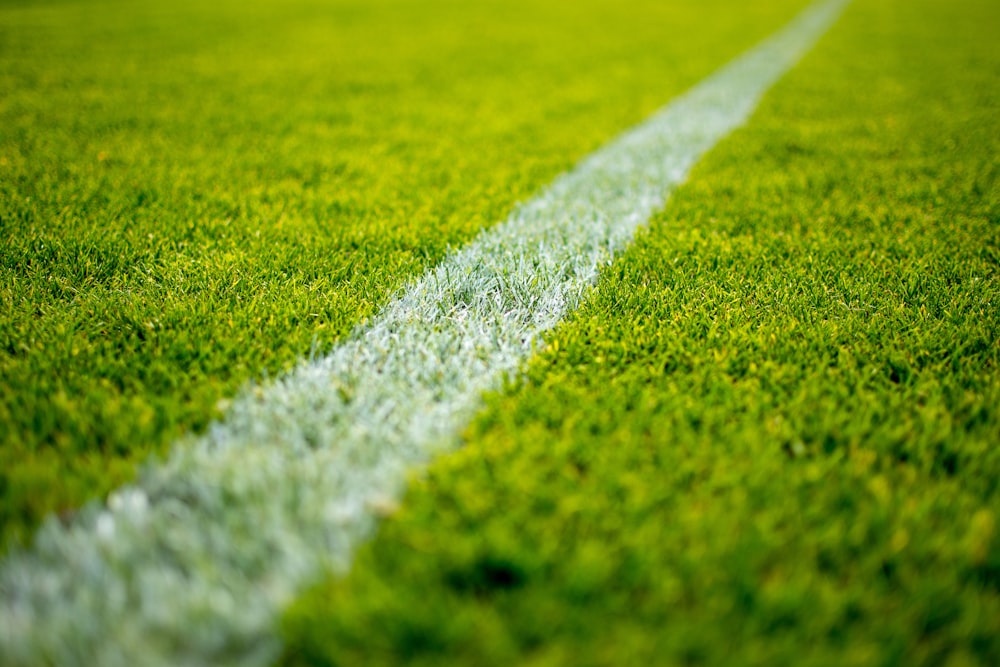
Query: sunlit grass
[770, 435]
[196, 195]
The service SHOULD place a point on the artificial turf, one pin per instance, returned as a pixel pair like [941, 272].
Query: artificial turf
[770, 434]
[197, 195]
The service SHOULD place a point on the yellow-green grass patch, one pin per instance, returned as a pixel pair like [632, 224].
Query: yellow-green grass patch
[196, 195]
[770, 435]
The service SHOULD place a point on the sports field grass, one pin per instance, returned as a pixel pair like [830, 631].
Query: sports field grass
[770, 436]
[196, 195]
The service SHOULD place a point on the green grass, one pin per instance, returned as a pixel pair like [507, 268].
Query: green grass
[770, 436]
[196, 195]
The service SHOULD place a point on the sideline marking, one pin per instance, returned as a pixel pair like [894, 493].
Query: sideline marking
[192, 563]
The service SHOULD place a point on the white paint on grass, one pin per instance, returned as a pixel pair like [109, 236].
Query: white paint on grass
[192, 563]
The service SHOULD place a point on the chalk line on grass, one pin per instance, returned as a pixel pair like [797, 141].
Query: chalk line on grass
[192, 563]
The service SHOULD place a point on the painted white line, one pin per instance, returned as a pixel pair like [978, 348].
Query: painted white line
[191, 564]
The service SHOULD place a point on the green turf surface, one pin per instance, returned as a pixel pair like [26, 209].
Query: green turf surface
[195, 194]
[770, 436]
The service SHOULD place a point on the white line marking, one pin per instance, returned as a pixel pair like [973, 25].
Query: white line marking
[192, 563]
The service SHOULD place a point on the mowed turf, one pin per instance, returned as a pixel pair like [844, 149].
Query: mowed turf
[197, 195]
[770, 436]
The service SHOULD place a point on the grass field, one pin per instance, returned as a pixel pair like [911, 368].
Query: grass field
[193, 195]
[768, 436]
